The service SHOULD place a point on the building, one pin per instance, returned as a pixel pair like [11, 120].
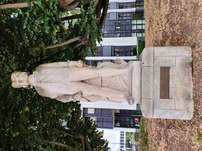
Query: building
[123, 27]
[114, 118]
[116, 125]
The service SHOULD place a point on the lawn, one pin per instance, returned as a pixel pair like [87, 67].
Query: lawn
[177, 23]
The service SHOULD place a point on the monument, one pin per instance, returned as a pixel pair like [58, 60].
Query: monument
[167, 88]
[75, 81]
[161, 82]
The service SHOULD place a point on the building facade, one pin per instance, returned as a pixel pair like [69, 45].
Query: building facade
[119, 126]
[124, 25]
[114, 118]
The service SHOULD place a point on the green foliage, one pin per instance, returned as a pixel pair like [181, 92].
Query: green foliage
[88, 24]
[42, 18]
[27, 118]
[77, 126]
[143, 143]
[140, 47]
[136, 136]
[197, 136]
[131, 139]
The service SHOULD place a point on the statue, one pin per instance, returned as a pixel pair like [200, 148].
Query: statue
[76, 81]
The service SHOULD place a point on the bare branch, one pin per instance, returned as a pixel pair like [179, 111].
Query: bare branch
[59, 144]
[104, 13]
[71, 17]
[63, 43]
[15, 6]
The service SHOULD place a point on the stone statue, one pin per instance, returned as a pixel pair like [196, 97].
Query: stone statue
[75, 81]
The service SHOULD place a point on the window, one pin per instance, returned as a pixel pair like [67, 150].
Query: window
[125, 15]
[134, 27]
[99, 51]
[126, 5]
[105, 122]
[139, 26]
[136, 16]
[138, 4]
[91, 111]
[138, 21]
[140, 34]
[133, 34]
[124, 50]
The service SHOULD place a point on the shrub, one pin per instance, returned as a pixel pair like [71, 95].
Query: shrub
[140, 47]
[143, 136]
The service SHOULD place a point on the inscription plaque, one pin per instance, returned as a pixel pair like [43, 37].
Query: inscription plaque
[164, 82]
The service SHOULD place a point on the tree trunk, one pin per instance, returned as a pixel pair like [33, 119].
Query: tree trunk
[63, 43]
[59, 144]
[15, 6]
[95, 2]
[83, 41]
[104, 13]
[80, 44]
[98, 8]
[71, 17]
[72, 6]
[67, 6]
[84, 140]
[101, 11]
[64, 2]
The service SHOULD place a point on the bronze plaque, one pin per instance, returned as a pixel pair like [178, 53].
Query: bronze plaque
[164, 82]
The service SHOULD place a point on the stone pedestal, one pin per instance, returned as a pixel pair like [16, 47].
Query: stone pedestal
[135, 87]
[166, 87]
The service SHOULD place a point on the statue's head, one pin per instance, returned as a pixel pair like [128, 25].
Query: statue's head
[20, 79]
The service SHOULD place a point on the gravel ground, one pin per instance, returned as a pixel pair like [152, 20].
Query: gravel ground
[177, 23]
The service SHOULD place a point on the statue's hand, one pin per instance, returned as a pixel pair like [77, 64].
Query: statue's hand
[64, 98]
[79, 64]
[77, 96]
[68, 97]
[117, 61]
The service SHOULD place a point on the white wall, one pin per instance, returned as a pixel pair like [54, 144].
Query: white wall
[118, 41]
[113, 137]
[111, 58]
[108, 105]
[121, 10]
[122, 1]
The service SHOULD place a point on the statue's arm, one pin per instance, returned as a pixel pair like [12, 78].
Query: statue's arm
[55, 64]
[68, 63]
[120, 62]
[93, 98]
[64, 98]
[78, 97]
[60, 97]
[78, 63]
[67, 98]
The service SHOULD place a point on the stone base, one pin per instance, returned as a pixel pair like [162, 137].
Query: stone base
[167, 83]
[135, 87]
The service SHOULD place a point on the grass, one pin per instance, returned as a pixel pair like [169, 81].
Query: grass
[143, 143]
[139, 48]
[197, 136]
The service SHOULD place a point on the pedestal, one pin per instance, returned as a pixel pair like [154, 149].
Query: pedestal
[166, 86]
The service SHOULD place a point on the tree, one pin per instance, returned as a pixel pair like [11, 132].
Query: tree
[32, 35]
[92, 18]
[35, 123]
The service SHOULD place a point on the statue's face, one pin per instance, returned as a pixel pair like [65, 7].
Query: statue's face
[20, 79]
